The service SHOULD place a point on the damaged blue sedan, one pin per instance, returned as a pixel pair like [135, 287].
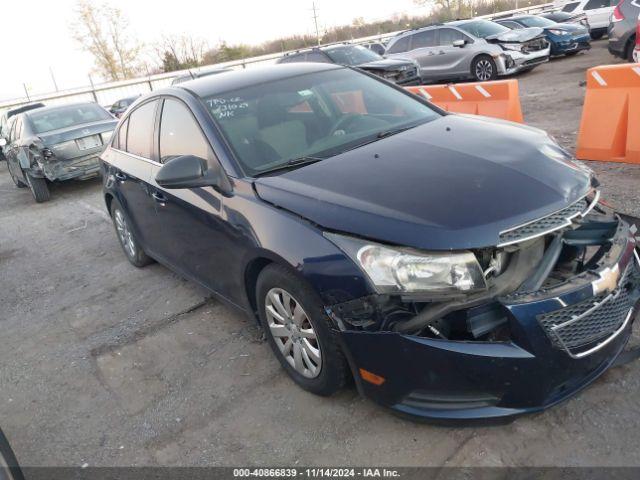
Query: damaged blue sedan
[456, 267]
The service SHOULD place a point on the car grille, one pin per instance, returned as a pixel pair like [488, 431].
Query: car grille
[594, 319]
[535, 45]
[400, 76]
[544, 225]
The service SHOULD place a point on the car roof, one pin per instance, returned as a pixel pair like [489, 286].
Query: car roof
[457, 23]
[237, 79]
[59, 107]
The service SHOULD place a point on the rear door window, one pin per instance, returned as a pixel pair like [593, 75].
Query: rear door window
[400, 46]
[594, 4]
[424, 39]
[570, 7]
[180, 133]
[446, 36]
[140, 130]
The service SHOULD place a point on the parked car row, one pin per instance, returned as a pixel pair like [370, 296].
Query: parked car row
[475, 49]
[45, 144]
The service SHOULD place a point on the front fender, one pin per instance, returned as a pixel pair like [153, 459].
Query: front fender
[283, 237]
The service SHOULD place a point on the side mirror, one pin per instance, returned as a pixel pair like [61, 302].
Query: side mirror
[459, 43]
[186, 171]
[3, 142]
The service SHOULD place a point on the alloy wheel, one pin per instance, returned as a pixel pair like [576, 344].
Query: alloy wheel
[484, 70]
[293, 332]
[126, 238]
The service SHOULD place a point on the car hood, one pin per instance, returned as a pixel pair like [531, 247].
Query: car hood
[453, 183]
[567, 27]
[387, 64]
[77, 131]
[516, 36]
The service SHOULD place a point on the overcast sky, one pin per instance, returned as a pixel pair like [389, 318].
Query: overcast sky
[36, 34]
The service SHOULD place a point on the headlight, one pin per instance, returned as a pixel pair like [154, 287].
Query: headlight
[400, 270]
[516, 47]
[559, 32]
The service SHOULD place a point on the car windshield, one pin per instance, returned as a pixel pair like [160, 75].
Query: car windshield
[483, 28]
[536, 22]
[48, 120]
[312, 115]
[352, 55]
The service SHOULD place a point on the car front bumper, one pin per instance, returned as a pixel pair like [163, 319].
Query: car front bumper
[572, 44]
[511, 62]
[440, 379]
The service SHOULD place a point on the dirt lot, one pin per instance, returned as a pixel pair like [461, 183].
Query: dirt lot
[106, 364]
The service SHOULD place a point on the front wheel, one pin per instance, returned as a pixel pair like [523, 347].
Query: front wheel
[299, 331]
[39, 188]
[596, 35]
[483, 69]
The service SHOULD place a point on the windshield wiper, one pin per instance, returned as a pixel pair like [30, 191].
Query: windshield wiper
[293, 163]
[393, 131]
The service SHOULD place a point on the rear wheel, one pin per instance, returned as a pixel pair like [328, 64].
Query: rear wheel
[132, 249]
[629, 51]
[299, 331]
[483, 68]
[597, 35]
[39, 188]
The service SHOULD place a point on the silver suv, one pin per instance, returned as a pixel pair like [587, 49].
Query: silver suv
[622, 29]
[477, 49]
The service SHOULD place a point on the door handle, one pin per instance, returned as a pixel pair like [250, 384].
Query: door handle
[158, 197]
[120, 176]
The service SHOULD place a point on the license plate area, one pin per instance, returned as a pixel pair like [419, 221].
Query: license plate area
[87, 143]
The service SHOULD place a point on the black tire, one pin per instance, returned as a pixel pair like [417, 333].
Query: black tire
[18, 183]
[133, 251]
[8, 461]
[39, 188]
[596, 35]
[484, 69]
[333, 369]
[630, 47]
[571, 54]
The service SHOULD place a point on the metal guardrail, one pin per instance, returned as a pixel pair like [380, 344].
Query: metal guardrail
[108, 93]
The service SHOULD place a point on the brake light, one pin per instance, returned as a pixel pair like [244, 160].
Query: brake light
[617, 15]
[638, 33]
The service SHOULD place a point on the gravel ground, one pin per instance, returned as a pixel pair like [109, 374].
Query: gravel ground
[106, 364]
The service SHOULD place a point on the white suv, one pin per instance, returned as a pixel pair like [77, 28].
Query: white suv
[597, 11]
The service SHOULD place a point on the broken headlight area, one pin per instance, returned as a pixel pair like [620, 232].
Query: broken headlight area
[468, 296]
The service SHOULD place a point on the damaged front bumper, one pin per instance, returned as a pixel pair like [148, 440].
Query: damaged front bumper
[511, 62]
[561, 338]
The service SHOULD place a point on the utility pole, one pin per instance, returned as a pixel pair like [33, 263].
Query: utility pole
[55, 85]
[315, 20]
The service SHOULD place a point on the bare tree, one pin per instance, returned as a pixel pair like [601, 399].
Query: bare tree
[181, 52]
[100, 29]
